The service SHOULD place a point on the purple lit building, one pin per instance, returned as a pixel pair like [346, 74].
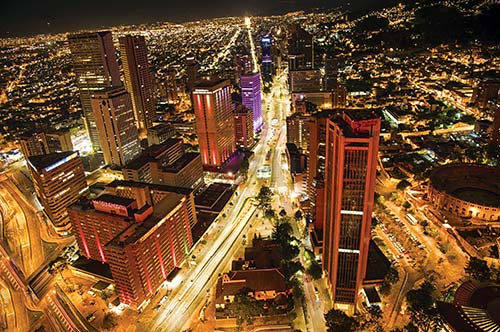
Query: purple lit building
[251, 97]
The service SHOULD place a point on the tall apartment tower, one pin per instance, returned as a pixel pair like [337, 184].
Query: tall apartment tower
[59, 181]
[267, 58]
[251, 96]
[115, 122]
[139, 79]
[352, 143]
[142, 231]
[297, 131]
[214, 122]
[300, 45]
[192, 72]
[39, 143]
[96, 68]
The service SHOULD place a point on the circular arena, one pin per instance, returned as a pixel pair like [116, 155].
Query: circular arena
[467, 190]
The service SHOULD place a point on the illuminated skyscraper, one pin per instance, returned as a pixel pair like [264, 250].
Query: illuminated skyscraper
[116, 126]
[59, 181]
[351, 162]
[143, 231]
[95, 66]
[139, 79]
[251, 97]
[214, 121]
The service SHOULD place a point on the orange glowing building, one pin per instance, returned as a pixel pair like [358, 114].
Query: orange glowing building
[143, 231]
[352, 142]
[214, 122]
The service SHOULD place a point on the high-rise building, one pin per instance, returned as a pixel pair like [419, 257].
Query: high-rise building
[297, 131]
[59, 141]
[95, 66]
[214, 122]
[316, 169]
[33, 145]
[38, 143]
[192, 72]
[142, 231]
[139, 79]
[352, 142]
[243, 127]
[301, 43]
[251, 97]
[116, 125]
[339, 96]
[266, 44]
[59, 181]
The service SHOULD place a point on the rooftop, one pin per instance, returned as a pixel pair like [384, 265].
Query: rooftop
[181, 162]
[360, 115]
[211, 83]
[136, 231]
[159, 187]
[118, 200]
[44, 162]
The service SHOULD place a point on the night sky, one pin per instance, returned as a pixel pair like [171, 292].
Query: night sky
[29, 17]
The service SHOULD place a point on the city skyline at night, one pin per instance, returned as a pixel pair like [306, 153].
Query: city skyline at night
[281, 165]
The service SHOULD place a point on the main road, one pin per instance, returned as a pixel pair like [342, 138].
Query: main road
[216, 255]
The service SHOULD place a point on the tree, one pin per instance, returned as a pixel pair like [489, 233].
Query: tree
[245, 308]
[270, 214]
[264, 197]
[423, 311]
[338, 321]
[315, 270]
[406, 205]
[290, 267]
[403, 184]
[392, 275]
[372, 319]
[478, 269]
[245, 165]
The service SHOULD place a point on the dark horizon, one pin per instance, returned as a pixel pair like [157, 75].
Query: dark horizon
[21, 19]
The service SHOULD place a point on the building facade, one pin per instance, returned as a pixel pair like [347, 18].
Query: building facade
[39, 143]
[243, 127]
[339, 96]
[352, 141]
[116, 125]
[139, 80]
[251, 97]
[59, 181]
[297, 131]
[142, 231]
[160, 133]
[214, 122]
[96, 68]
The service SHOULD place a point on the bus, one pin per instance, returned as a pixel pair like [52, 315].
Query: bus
[411, 219]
